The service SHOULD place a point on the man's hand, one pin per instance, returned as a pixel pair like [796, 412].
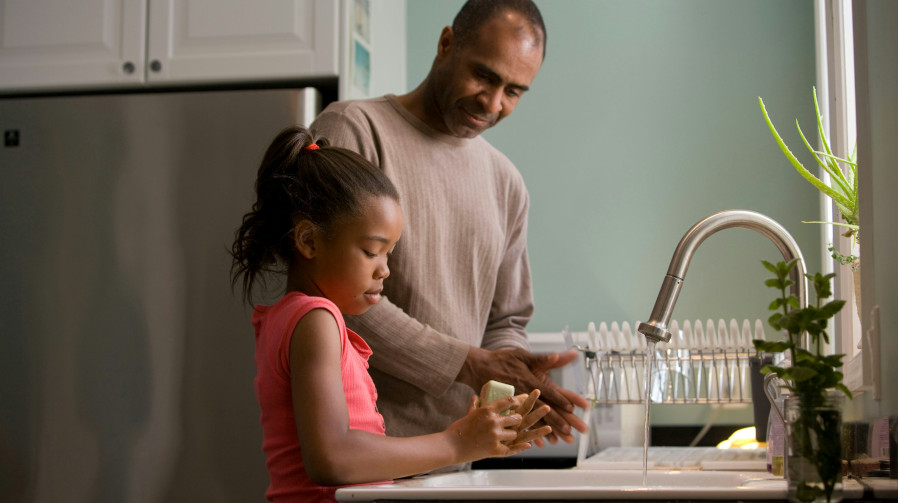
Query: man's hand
[526, 371]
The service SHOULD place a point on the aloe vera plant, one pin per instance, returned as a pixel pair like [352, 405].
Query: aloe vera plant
[843, 186]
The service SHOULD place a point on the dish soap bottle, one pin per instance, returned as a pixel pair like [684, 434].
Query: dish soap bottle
[776, 438]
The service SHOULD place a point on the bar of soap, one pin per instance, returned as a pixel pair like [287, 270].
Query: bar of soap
[494, 390]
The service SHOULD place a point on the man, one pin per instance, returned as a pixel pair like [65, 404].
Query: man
[459, 295]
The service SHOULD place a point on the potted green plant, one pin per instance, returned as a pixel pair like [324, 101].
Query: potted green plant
[813, 413]
[842, 187]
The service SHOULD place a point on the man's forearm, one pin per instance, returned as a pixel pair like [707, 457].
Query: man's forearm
[409, 350]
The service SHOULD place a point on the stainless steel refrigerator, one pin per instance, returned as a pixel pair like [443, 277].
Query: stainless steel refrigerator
[127, 361]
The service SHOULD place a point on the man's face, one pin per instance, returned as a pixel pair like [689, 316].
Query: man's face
[477, 85]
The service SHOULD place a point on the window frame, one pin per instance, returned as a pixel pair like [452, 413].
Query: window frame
[837, 101]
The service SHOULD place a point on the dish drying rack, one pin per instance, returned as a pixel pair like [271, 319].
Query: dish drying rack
[704, 363]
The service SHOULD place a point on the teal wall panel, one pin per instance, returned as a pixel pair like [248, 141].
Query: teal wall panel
[643, 120]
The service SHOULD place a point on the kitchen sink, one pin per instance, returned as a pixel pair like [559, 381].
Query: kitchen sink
[576, 484]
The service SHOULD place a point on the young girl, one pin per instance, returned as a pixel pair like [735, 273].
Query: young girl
[329, 219]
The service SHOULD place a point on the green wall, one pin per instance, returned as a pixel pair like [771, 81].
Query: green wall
[643, 120]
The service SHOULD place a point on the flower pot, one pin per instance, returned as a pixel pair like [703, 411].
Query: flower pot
[814, 448]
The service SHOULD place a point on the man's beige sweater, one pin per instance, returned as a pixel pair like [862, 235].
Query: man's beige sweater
[459, 275]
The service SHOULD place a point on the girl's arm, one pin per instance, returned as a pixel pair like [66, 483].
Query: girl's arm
[334, 454]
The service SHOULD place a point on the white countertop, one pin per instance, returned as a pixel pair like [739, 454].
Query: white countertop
[574, 484]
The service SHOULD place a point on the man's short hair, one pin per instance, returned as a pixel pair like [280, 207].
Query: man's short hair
[475, 13]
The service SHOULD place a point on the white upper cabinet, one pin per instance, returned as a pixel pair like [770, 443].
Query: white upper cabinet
[103, 44]
[76, 42]
[208, 40]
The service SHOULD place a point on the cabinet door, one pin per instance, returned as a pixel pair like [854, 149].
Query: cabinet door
[53, 44]
[193, 41]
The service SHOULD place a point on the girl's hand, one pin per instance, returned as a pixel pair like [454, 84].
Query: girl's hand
[484, 433]
[531, 417]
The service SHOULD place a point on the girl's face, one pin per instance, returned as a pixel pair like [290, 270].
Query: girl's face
[349, 267]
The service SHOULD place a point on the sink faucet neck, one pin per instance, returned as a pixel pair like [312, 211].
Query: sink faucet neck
[656, 329]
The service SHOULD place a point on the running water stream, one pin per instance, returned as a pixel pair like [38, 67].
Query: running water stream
[649, 361]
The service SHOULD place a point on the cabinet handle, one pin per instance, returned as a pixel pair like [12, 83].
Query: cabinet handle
[128, 67]
[156, 65]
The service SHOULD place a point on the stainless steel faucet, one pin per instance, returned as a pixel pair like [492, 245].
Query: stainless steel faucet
[656, 328]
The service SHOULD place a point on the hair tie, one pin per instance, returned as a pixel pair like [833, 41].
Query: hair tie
[311, 146]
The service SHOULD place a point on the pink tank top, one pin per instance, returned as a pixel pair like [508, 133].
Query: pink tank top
[283, 455]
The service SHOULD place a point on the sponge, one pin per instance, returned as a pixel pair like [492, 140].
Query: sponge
[494, 390]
